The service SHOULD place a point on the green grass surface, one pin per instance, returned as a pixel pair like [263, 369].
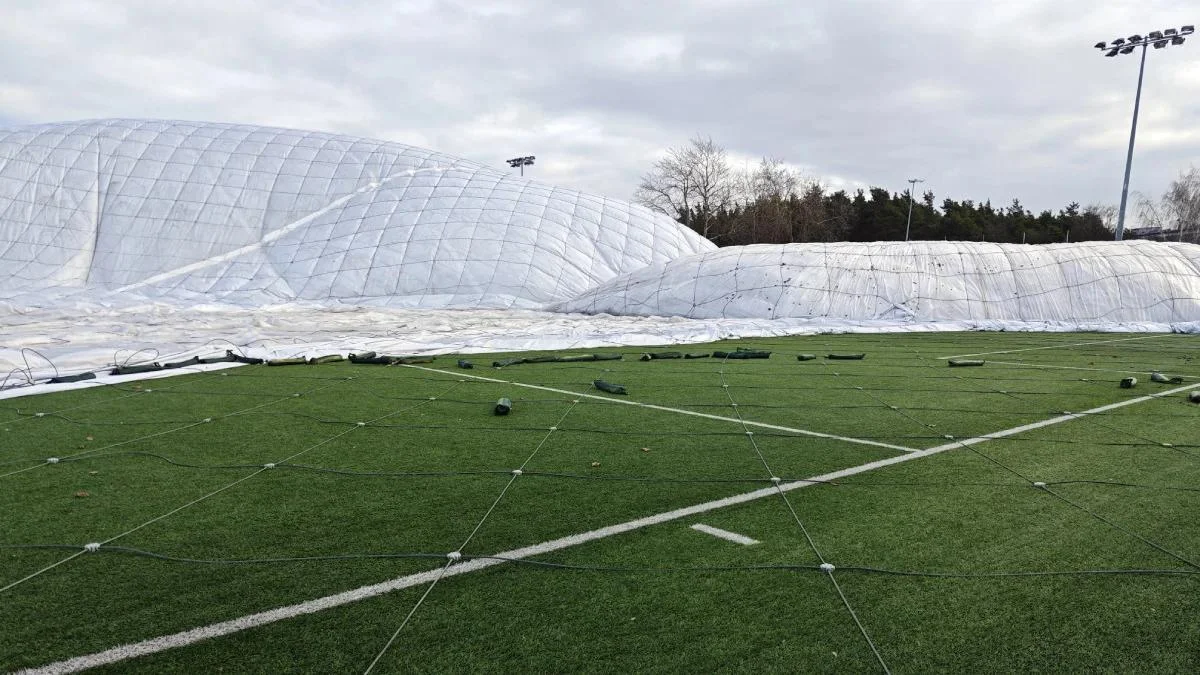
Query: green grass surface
[380, 471]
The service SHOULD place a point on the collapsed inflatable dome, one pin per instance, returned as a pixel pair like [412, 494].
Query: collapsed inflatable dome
[911, 282]
[252, 215]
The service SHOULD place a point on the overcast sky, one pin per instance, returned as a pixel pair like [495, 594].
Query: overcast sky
[985, 100]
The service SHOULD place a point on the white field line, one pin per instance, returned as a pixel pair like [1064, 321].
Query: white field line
[184, 638]
[726, 535]
[1062, 346]
[1094, 370]
[681, 411]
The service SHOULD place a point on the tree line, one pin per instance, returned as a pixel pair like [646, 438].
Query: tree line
[773, 203]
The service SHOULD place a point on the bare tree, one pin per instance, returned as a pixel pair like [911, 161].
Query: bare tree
[1178, 209]
[691, 184]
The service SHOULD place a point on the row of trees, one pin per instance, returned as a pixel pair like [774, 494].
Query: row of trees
[1176, 214]
[772, 203]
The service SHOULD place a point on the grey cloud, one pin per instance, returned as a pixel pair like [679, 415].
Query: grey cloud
[996, 102]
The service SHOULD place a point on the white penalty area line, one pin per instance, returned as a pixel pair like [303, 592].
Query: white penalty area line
[1062, 346]
[176, 640]
[1023, 364]
[681, 411]
[725, 534]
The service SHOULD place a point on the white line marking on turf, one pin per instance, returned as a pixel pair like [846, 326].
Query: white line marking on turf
[681, 411]
[184, 638]
[1062, 346]
[725, 534]
[1095, 370]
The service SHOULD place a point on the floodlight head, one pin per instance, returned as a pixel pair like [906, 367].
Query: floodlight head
[1187, 30]
[1127, 50]
[1100, 45]
[1118, 42]
[1160, 44]
[1112, 52]
[1177, 40]
[1154, 34]
[1170, 31]
[1135, 38]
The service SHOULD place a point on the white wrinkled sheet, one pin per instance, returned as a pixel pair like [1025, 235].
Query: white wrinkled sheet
[80, 338]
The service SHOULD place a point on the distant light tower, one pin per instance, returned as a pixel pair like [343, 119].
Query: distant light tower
[521, 162]
[1160, 39]
[912, 187]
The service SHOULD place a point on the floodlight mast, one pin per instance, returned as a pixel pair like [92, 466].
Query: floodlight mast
[521, 162]
[1160, 39]
[913, 186]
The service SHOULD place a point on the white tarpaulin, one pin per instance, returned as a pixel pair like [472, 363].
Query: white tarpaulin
[136, 240]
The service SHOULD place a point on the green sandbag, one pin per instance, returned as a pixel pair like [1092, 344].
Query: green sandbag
[507, 362]
[297, 361]
[242, 359]
[502, 407]
[330, 358]
[180, 364]
[131, 370]
[605, 357]
[610, 388]
[743, 354]
[370, 358]
[364, 355]
[1159, 377]
[228, 358]
[465, 364]
[846, 357]
[697, 356]
[962, 363]
[654, 356]
[1128, 383]
[806, 357]
[545, 358]
[63, 379]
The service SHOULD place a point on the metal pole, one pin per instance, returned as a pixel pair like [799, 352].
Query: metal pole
[1137, 102]
[909, 223]
[912, 186]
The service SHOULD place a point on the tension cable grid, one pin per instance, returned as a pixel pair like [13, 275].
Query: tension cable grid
[1082, 507]
[95, 546]
[189, 425]
[456, 554]
[825, 565]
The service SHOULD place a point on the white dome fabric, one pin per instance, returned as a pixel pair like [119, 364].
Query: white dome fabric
[247, 215]
[1089, 284]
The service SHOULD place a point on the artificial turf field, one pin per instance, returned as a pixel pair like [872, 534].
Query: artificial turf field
[949, 558]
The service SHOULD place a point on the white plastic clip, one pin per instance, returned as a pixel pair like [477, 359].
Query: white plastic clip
[749, 433]
[52, 460]
[295, 395]
[1168, 445]
[454, 555]
[948, 437]
[432, 398]
[92, 547]
[517, 472]
[553, 428]
[147, 390]
[827, 567]
[362, 424]
[40, 415]
[1039, 484]
[206, 420]
[775, 479]
[270, 465]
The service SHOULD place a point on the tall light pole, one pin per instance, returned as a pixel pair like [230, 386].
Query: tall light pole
[1160, 39]
[912, 186]
[521, 162]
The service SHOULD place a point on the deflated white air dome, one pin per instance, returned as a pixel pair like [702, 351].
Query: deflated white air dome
[1089, 283]
[249, 215]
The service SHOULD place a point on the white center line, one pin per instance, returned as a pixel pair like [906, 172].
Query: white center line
[681, 411]
[1063, 346]
[725, 534]
[184, 638]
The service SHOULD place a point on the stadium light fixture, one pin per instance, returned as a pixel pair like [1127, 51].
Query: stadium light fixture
[521, 162]
[913, 186]
[1159, 39]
